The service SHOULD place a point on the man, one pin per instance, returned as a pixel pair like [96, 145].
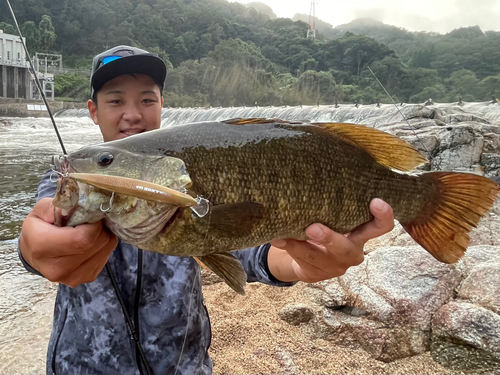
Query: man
[162, 294]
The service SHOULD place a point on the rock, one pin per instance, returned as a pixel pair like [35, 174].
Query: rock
[382, 342]
[466, 337]
[476, 257]
[482, 287]
[296, 314]
[396, 237]
[461, 147]
[408, 279]
[491, 162]
[487, 231]
[491, 142]
[386, 304]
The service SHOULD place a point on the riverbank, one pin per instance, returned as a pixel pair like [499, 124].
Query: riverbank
[248, 335]
[34, 108]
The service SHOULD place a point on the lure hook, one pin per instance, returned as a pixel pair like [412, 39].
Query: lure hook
[110, 204]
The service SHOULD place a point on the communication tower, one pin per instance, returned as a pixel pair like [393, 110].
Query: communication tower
[311, 26]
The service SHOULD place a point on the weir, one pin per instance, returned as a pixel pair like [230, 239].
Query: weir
[372, 115]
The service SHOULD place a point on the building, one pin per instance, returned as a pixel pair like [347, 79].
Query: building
[14, 74]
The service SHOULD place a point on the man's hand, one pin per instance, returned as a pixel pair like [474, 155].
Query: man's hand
[328, 254]
[71, 256]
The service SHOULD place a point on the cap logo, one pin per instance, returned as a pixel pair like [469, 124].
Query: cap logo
[108, 59]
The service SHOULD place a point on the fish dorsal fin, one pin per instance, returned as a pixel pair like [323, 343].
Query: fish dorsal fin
[245, 121]
[385, 148]
[258, 120]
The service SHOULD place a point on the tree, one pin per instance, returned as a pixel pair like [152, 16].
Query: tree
[47, 33]
[7, 28]
[463, 83]
[32, 35]
[490, 86]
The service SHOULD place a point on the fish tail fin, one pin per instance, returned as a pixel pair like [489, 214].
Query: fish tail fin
[444, 225]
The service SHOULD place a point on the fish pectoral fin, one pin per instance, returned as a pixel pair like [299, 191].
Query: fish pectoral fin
[236, 219]
[227, 267]
[385, 148]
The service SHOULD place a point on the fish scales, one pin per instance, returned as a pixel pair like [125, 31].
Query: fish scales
[299, 177]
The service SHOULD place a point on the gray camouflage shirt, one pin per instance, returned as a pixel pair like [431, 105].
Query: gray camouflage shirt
[163, 296]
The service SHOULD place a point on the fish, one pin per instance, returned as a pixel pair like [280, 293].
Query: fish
[208, 188]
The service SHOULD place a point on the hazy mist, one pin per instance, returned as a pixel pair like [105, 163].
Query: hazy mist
[423, 15]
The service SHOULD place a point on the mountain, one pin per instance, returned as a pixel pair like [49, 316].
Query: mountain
[323, 27]
[262, 8]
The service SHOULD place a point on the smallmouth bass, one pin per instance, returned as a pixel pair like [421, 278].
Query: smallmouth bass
[207, 188]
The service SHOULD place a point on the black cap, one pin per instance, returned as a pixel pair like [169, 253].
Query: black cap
[126, 60]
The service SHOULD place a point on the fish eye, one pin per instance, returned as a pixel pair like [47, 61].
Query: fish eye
[104, 159]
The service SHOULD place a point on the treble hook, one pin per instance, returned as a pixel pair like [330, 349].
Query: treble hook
[109, 204]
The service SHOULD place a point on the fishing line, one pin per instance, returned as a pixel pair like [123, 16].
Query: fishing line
[33, 72]
[187, 325]
[108, 268]
[401, 113]
[133, 332]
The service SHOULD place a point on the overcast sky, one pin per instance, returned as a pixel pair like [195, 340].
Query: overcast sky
[418, 15]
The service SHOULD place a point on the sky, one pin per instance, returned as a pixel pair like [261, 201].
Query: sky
[418, 15]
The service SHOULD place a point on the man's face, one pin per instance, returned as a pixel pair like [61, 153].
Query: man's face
[127, 105]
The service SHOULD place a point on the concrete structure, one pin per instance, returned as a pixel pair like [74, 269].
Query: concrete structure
[14, 75]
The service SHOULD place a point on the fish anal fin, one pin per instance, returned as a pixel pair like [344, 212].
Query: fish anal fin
[460, 202]
[387, 149]
[236, 219]
[227, 267]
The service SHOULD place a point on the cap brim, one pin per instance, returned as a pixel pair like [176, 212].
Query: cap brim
[139, 64]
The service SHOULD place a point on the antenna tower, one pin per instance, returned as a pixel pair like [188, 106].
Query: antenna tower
[311, 26]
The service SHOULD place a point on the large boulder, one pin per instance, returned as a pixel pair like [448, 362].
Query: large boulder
[466, 337]
[401, 302]
[386, 304]
[482, 287]
[466, 331]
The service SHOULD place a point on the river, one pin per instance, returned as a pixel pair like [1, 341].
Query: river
[26, 302]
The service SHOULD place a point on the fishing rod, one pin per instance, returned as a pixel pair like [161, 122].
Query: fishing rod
[38, 85]
[110, 272]
[397, 108]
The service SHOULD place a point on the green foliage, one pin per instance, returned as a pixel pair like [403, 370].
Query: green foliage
[46, 33]
[222, 53]
[32, 35]
[436, 92]
[71, 85]
[7, 28]
[490, 86]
